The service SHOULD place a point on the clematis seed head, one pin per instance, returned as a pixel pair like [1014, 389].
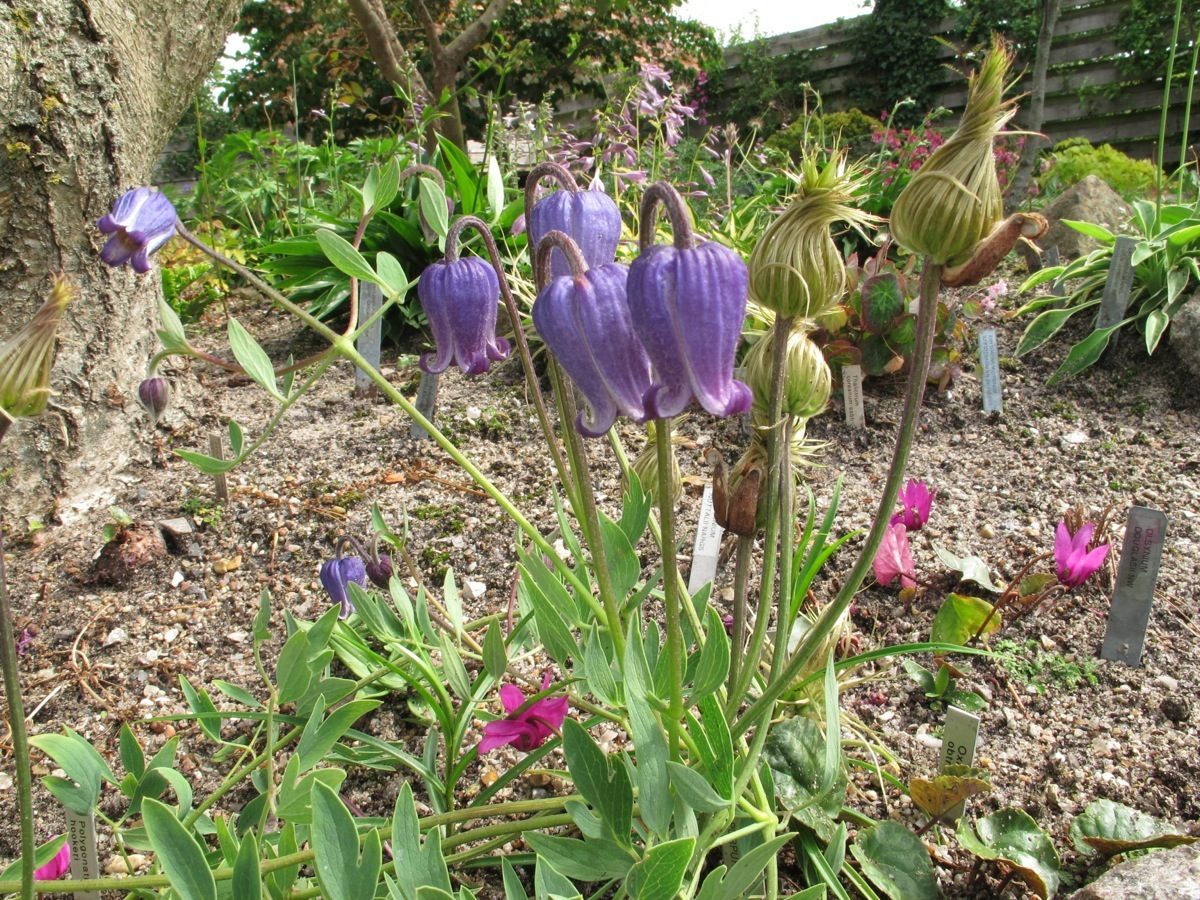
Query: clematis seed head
[807, 382]
[26, 357]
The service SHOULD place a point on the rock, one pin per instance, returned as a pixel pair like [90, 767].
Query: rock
[1177, 710]
[132, 548]
[1091, 200]
[1184, 335]
[1163, 875]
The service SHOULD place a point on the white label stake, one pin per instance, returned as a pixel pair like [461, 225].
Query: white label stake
[1141, 554]
[81, 835]
[852, 395]
[989, 361]
[707, 548]
[958, 747]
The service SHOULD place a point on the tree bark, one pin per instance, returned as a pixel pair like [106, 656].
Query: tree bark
[1037, 105]
[91, 90]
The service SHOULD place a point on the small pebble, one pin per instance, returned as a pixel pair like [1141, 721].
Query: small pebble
[987, 531]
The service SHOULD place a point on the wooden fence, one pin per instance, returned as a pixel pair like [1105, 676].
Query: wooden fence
[1086, 94]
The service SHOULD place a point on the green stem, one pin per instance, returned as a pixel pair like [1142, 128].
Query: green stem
[16, 727]
[741, 577]
[785, 610]
[666, 506]
[761, 709]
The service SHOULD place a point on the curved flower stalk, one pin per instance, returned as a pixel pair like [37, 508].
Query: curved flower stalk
[585, 321]
[688, 302]
[589, 218]
[796, 269]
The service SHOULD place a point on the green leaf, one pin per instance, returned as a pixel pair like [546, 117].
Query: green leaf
[1044, 327]
[465, 179]
[495, 189]
[1085, 353]
[85, 769]
[734, 883]
[209, 465]
[716, 746]
[654, 794]
[246, 883]
[433, 206]
[598, 670]
[960, 617]
[1103, 235]
[387, 185]
[340, 872]
[1184, 236]
[452, 600]
[181, 857]
[552, 630]
[921, 676]
[321, 734]
[795, 751]
[548, 882]
[419, 861]
[659, 875]
[295, 792]
[896, 862]
[624, 567]
[1156, 324]
[712, 668]
[253, 358]
[262, 619]
[454, 670]
[694, 789]
[344, 257]
[1112, 828]
[236, 693]
[41, 856]
[1011, 836]
[602, 781]
[236, 438]
[171, 334]
[513, 888]
[280, 881]
[293, 672]
[971, 568]
[590, 860]
[882, 302]
[495, 655]
[391, 275]
[133, 760]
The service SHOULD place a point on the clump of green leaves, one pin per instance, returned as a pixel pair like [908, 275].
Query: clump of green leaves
[851, 128]
[120, 519]
[1029, 663]
[1074, 159]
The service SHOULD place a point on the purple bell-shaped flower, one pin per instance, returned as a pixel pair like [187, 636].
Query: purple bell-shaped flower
[589, 218]
[460, 298]
[336, 574]
[687, 305]
[140, 222]
[585, 322]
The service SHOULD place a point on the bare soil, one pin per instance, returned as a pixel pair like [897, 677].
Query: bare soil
[1061, 727]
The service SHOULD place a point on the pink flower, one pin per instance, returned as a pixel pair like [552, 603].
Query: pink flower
[917, 500]
[895, 558]
[1075, 563]
[58, 866]
[525, 729]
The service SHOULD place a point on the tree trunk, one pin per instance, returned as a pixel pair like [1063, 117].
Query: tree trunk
[91, 90]
[1037, 102]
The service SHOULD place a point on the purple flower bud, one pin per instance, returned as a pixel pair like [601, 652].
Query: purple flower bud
[336, 574]
[687, 306]
[141, 221]
[586, 324]
[590, 218]
[460, 298]
[155, 394]
[380, 572]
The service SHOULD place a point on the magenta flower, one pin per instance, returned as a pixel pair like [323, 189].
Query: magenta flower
[58, 866]
[917, 500]
[141, 221]
[1075, 563]
[895, 558]
[525, 729]
[461, 298]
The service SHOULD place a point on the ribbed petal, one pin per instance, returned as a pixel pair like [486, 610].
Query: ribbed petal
[590, 218]
[141, 221]
[125, 210]
[586, 324]
[460, 299]
[118, 249]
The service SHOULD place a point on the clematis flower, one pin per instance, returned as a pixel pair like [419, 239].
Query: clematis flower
[460, 298]
[155, 395]
[585, 321]
[916, 498]
[58, 866]
[590, 218]
[895, 558]
[1075, 563]
[525, 729]
[336, 574]
[141, 221]
[687, 306]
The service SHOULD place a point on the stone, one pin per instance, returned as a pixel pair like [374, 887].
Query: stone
[1184, 334]
[1162, 875]
[1091, 200]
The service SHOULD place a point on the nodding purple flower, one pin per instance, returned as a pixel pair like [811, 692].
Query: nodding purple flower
[155, 395]
[380, 571]
[461, 298]
[337, 574]
[894, 558]
[590, 218]
[528, 729]
[140, 222]
[585, 322]
[917, 500]
[688, 304]
[1075, 563]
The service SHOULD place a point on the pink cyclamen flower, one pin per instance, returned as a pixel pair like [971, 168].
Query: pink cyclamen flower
[917, 500]
[895, 558]
[58, 866]
[525, 729]
[1075, 563]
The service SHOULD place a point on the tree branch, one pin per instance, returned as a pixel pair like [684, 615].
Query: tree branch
[473, 35]
[391, 57]
[432, 34]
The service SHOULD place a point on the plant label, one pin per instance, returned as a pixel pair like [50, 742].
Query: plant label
[707, 548]
[81, 835]
[852, 396]
[989, 362]
[370, 298]
[1141, 554]
[959, 737]
[426, 404]
[1118, 284]
[217, 452]
[1052, 259]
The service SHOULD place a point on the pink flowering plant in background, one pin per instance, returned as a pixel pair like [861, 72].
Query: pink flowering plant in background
[1076, 563]
[916, 500]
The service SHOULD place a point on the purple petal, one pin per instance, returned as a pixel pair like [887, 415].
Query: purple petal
[508, 731]
[461, 299]
[590, 218]
[511, 697]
